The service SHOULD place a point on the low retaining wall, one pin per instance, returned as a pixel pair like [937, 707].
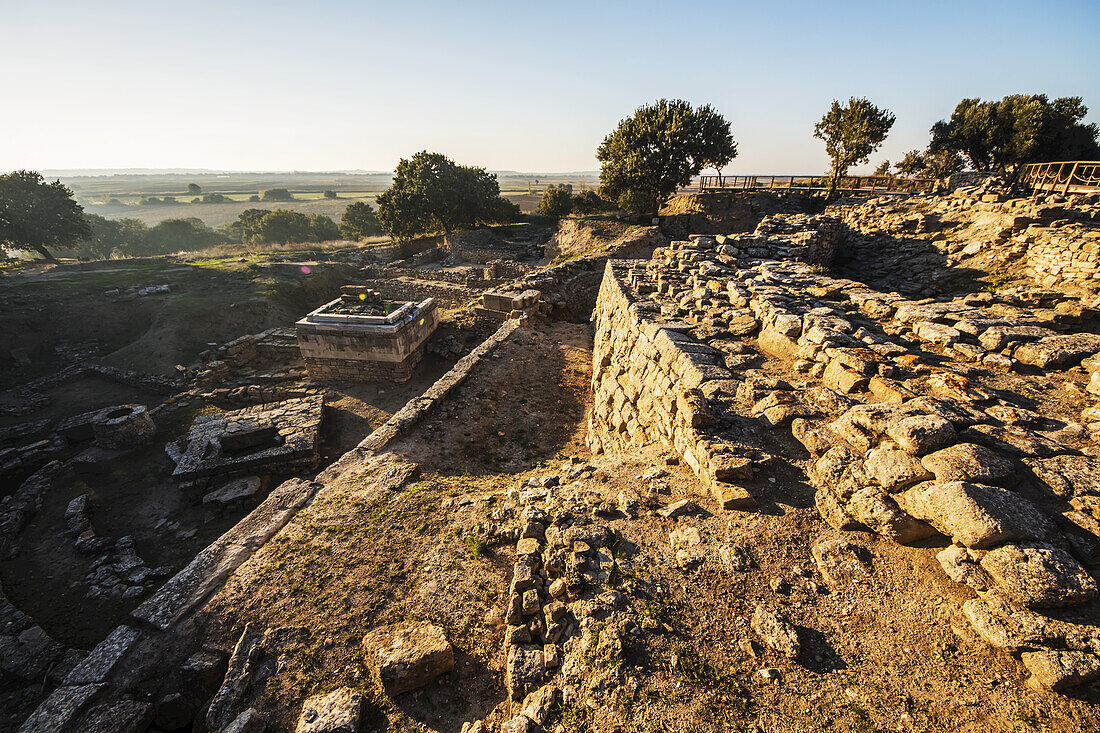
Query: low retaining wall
[648, 380]
[456, 295]
[1061, 257]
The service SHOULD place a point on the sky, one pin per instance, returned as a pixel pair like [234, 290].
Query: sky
[342, 85]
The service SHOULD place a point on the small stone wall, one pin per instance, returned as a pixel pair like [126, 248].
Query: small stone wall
[649, 381]
[393, 289]
[358, 370]
[1066, 255]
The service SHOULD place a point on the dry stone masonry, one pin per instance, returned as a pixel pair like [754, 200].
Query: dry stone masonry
[360, 337]
[278, 437]
[918, 416]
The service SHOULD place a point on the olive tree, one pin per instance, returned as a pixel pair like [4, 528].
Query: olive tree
[852, 132]
[660, 148]
[1019, 129]
[359, 221]
[556, 202]
[431, 193]
[36, 216]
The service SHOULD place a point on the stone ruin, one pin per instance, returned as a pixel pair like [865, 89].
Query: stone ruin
[901, 405]
[272, 438]
[505, 304]
[361, 337]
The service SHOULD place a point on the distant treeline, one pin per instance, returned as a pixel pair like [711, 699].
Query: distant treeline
[133, 238]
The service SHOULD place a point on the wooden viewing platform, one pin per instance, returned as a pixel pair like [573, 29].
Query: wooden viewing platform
[1068, 176]
[847, 185]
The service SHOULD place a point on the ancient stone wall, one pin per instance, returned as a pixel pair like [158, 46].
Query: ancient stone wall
[358, 352]
[393, 289]
[331, 369]
[1065, 255]
[646, 378]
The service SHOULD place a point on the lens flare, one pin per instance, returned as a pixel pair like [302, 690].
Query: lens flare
[305, 269]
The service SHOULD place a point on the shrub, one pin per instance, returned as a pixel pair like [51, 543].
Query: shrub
[589, 202]
[359, 221]
[556, 202]
[277, 194]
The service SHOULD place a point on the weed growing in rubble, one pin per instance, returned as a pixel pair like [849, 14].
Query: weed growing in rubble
[475, 546]
[575, 718]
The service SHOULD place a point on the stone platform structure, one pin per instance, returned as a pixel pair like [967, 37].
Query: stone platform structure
[359, 337]
[505, 304]
[273, 438]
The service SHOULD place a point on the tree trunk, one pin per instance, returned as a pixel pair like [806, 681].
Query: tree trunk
[833, 182]
[41, 249]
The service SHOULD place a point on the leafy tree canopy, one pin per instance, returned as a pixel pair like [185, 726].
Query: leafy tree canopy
[658, 149]
[194, 189]
[1019, 129]
[431, 193]
[261, 226]
[589, 202]
[852, 132]
[930, 164]
[36, 216]
[556, 202]
[105, 237]
[174, 235]
[359, 221]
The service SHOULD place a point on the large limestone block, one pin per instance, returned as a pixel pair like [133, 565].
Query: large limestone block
[921, 434]
[969, 462]
[1058, 352]
[874, 508]
[975, 515]
[336, 712]
[777, 345]
[894, 468]
[524, 670]
[1038, 575]
[1058, 670]
[408, 655]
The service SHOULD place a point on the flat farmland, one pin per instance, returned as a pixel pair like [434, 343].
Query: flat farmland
[218, 215]
[118, 195]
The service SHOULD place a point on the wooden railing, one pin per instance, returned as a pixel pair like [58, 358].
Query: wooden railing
[1070, 176]
[847, 185]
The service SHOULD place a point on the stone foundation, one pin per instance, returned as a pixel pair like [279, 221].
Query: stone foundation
[360, 370]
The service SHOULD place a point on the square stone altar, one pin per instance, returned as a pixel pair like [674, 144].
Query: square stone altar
[360, 337]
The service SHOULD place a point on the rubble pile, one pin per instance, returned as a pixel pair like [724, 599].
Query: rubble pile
[923, 245]
[972, 421]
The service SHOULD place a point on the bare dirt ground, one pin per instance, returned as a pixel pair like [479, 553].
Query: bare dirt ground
[887, 650]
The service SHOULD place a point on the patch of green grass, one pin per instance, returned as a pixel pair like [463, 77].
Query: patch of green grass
[575, 719]
[695, 670]
[475, 546]
[861, 720]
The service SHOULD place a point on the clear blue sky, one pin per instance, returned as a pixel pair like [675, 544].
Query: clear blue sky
[244, 85]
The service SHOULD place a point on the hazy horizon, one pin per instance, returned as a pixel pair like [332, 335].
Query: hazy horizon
[354, 86]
